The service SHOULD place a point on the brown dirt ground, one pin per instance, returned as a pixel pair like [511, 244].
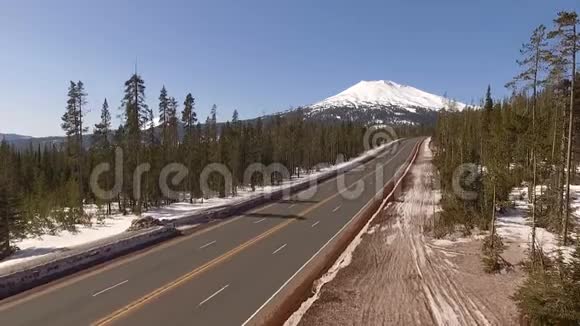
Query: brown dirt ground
[400, 276]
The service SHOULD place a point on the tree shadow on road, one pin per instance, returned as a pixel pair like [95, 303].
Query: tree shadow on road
[271, 215]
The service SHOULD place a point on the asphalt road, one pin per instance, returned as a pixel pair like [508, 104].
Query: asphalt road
[219, 276]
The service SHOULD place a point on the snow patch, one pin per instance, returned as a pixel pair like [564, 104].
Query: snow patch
[450, 242]
[34, 247]
[514, 226]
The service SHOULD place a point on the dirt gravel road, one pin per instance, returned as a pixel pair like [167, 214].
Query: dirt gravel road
[400, 276]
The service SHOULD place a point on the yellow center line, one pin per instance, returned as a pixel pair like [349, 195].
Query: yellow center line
[171, 285]
[24, 297]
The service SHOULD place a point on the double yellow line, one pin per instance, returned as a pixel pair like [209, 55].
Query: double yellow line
[143, 300]
[197, 271]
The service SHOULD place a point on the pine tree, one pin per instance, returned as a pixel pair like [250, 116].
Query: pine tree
[213, 121]
[102, 129]
[190, 141]
[149, 116]
[102, 145]
[135, 118]
[172, 124]
[535, 54]
[11, 219]
[69, 119]
[225, 146]
[150, 147]
[163, 113]
[134, 104]
[120, 141]
[212, 137]
[81, 100]
[235, 151]
[568, 45]
[488, 100]
[189, 117]
[200, 159]
[72, 124]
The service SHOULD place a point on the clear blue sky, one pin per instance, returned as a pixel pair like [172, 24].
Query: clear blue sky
[254, 56]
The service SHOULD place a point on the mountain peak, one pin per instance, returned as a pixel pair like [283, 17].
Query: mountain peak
[379, 82]
[385, 93]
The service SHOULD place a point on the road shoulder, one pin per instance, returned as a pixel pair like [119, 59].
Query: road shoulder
[398, 275]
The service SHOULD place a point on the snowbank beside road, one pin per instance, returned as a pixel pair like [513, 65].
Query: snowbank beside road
[183, 209]
[36, 247]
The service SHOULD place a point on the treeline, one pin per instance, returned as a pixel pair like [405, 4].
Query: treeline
[531, 138]
[47, 188]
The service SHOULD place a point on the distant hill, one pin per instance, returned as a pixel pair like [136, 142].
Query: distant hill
[13, 137]
[22, 142]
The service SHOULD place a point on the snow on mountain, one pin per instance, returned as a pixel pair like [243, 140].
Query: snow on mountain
[382, 101]
[156, 123]
[384, 93]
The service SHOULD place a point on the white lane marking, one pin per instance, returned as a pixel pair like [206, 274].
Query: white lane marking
[324, 246]
[258, 221]
[282, 247]
[337, 208]
[292, 205]
[315, 224]
[110, 288]
[208, 244]
[213, 295]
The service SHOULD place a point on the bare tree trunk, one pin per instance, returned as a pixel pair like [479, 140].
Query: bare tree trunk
[554, 136]
[534, 102]
[80, 163]
[562, 162]
[534, 204]
[569, 153]
[493, 218]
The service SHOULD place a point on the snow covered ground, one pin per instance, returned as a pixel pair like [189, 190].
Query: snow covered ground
[35, 247]
[514, 226]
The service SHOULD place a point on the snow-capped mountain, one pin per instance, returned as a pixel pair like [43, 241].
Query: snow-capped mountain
[384, 102]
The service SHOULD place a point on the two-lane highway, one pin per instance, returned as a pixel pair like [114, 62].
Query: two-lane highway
[222, 275]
